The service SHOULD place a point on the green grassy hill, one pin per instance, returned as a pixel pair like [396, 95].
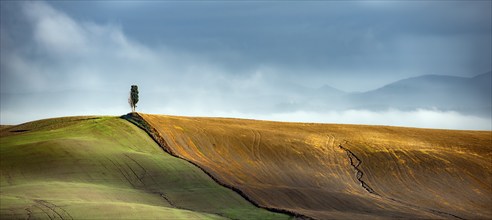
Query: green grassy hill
[105, 167]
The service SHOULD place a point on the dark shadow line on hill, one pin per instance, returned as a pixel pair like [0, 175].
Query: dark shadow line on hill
[360, 173]
[61, 214]
[29, 213]
[20, 130]
[137, 120]
[352, 157]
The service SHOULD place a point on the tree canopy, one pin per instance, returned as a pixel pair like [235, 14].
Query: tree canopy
[133, 99]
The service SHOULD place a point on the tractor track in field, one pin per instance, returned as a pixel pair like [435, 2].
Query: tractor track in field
[61, 213]
[163, 195]
[256, 144]
[124, 174]
[44, 211]
[134, 173]
[29, 213]
[140, 178]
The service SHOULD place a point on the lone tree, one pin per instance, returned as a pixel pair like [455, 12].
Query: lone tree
[133, 97]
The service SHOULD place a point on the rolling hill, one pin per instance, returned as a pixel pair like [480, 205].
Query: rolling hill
[332, 171]
[105, 168]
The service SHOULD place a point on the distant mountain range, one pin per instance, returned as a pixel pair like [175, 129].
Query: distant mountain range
[447, 93]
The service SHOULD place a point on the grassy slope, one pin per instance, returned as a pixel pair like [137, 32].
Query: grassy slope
[105, 167]
[415, 173]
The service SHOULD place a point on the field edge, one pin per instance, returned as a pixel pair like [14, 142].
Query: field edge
[137, 120]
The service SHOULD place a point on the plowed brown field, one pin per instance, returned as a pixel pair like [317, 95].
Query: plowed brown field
[331, 171]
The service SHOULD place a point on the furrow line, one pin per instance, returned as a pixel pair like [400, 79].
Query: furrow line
[359, 175]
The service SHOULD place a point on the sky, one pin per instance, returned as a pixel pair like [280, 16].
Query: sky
[229, 58]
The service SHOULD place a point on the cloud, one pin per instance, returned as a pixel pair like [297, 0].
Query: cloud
[67, 54]
[67, 66]
[70, 54]
[54, 30]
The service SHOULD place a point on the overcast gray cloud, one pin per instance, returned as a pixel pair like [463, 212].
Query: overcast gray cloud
[233, 58]
[326, 40]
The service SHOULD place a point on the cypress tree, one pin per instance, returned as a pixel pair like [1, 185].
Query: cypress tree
[133, 97]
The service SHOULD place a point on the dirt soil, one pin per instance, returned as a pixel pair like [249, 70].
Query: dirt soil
[334, 171]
